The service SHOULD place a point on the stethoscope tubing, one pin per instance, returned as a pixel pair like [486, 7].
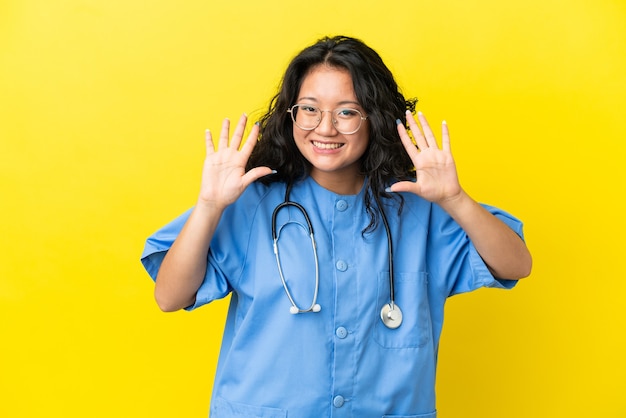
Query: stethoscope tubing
[391, 315]
[275, 236]
[392, 295]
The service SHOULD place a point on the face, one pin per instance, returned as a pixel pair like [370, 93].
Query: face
[334, 156]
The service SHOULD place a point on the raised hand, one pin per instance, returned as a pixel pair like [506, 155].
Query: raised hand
[224, 178]
[223, 175]
[435, 170]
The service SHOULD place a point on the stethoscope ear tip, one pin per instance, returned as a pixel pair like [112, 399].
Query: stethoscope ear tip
[295, 310]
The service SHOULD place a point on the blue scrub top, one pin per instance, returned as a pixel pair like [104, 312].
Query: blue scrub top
[341, 361]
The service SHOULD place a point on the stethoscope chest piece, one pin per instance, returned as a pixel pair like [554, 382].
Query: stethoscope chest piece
[391, 315]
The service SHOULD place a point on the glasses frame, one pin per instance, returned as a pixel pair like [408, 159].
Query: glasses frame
[332, 119]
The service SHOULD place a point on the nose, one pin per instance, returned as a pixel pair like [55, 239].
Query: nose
[326, 126]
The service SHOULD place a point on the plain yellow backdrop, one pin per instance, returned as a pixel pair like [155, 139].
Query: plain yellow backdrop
[103, 107]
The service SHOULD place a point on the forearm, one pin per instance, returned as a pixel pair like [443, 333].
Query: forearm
[184, 266]
[504, 252]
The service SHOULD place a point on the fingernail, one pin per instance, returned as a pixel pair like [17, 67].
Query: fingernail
[408, 112]
[274, 171]
[444, 122]
[398, 122]
[388, 189]
[257, 123]
[420, 113]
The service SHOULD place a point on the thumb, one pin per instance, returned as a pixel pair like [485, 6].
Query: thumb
[255, 174]
[404, 186]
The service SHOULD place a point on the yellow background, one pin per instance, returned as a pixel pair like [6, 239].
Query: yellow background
[103, 106]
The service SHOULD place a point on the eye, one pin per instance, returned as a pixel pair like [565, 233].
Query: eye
[347, 113]
[308, 109]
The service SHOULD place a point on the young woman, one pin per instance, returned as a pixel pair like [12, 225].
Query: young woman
[339, 240]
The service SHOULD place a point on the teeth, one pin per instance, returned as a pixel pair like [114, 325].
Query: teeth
[323, 145]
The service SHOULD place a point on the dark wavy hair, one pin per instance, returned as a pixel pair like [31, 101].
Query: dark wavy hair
[385, 159]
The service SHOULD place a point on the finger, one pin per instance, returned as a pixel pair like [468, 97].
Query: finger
[223, 143]
[239, 130]
[409, 146]
[416, 131]
[251, 141]
[445, 137]
[428, 133]
[208, 140]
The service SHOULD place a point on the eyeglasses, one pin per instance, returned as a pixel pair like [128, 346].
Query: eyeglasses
[345, 119]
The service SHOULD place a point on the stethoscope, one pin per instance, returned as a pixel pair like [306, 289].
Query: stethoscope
[390, 314]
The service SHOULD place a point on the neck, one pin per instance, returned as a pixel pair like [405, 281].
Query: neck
[340, 184]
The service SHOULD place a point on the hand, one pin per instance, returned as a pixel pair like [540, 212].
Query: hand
[223, 175]
[435, 171]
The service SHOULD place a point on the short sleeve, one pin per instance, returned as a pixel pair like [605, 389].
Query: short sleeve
[455, 260]
[214, 286]
[160, 242]
[228, 250]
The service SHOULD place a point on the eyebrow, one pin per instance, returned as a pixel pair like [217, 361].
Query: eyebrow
[341, 103]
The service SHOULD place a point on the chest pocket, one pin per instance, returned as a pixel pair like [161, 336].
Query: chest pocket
[411, 296]
[220, 407]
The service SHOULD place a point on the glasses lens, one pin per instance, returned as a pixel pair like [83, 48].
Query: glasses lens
[347, 120]
[305, 116]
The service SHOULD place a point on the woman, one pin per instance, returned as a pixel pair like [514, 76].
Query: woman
[339, 241]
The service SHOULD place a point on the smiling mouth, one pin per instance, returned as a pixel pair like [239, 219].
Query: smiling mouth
[324, 145]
